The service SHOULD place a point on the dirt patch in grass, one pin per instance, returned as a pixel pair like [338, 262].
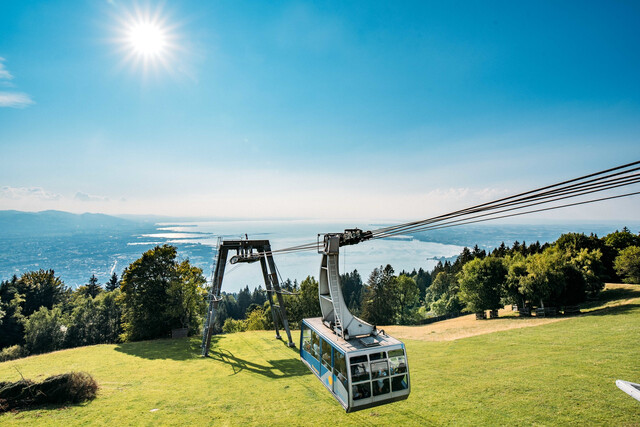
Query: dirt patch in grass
[614, 295]
[467, 326]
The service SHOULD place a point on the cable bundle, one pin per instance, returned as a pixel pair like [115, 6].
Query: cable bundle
[598, 182]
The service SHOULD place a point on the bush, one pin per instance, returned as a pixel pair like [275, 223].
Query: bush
[12, 353]
[256, 320]
[72, 387]
[231, 326]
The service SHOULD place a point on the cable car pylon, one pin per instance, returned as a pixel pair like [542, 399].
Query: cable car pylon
[245, 254]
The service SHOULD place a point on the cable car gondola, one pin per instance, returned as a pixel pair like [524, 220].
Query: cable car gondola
[359, 364]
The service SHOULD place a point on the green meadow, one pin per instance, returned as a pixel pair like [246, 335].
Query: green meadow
[560, 373]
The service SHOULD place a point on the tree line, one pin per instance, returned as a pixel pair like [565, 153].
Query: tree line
[158, 292]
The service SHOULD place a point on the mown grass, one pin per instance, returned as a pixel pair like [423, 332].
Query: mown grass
[560, 373]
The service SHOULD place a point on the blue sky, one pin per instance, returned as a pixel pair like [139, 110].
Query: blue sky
[372, 110]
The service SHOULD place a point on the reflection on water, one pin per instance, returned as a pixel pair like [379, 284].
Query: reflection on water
[175, 235]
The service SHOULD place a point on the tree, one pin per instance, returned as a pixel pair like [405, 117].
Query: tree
[84, 325]
[627, 264]
[572, 244]
[380, 297]
[481, 282]
[159, 294]
[227, 309]
[309, 304]
[41, 289]
[423, 280]
[442, 296]
[575, 242]
[464, 257]
[45, 330]
[11, 302]
[620, 240]
[244, 301]
[352, 290]
[589, 264]
[110, 315]
[500, 251]
[113, 283]
[258, 296]
[516, 270]
[188, 297]
[545, 280]
[408, 297]
[91, 289]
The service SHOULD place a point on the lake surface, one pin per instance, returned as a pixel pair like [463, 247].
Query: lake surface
[76, 256]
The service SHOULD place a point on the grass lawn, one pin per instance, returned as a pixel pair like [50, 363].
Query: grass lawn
[557, 373]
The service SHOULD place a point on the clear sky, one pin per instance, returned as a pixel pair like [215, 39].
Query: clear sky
[364, 109]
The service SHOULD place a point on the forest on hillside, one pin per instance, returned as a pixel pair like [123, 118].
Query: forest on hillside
[158, 293]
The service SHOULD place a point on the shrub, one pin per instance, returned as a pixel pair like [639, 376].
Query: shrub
[231, 326]
[72, 387]
[256, 320]
[12, 353]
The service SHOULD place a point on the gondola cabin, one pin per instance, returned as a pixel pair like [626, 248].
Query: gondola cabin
[359, 372]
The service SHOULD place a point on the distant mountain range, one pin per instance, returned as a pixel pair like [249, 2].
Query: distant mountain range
[52, 223]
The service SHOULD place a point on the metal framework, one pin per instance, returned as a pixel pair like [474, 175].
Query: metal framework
[335, 313]
[245, 254]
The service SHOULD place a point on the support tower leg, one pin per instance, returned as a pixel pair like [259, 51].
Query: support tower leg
[276, 288]
[214, 298]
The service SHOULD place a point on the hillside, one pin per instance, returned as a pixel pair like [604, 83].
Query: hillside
[55, 223]
[556, 373]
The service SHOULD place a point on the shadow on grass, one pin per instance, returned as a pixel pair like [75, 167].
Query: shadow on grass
[282, 368]
[615, 294]
[47, 407]
[174, 349]
[616, 309]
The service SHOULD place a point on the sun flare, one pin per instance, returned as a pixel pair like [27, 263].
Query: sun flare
[147, 39]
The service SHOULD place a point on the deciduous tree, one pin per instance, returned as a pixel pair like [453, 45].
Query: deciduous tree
[481, 282]
[627, 264]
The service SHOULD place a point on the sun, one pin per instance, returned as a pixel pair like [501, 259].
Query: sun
[147, 39]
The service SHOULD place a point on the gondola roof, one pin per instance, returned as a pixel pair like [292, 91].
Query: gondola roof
[353, 344]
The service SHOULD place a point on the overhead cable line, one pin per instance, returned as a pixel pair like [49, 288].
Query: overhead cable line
[493, 211]
[609, 179]
[534, 195]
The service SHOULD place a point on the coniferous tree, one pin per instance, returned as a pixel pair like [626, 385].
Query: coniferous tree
[93, 288]
[352, 290]
[244, 301]
[258, 296]
[113, 283]
[380, 297]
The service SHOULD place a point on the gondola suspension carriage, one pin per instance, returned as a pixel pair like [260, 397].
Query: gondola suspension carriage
[359, 364]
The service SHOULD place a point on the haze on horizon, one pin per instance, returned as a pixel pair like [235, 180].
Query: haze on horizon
[340, 110]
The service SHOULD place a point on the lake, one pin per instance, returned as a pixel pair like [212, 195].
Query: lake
[75, 256]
